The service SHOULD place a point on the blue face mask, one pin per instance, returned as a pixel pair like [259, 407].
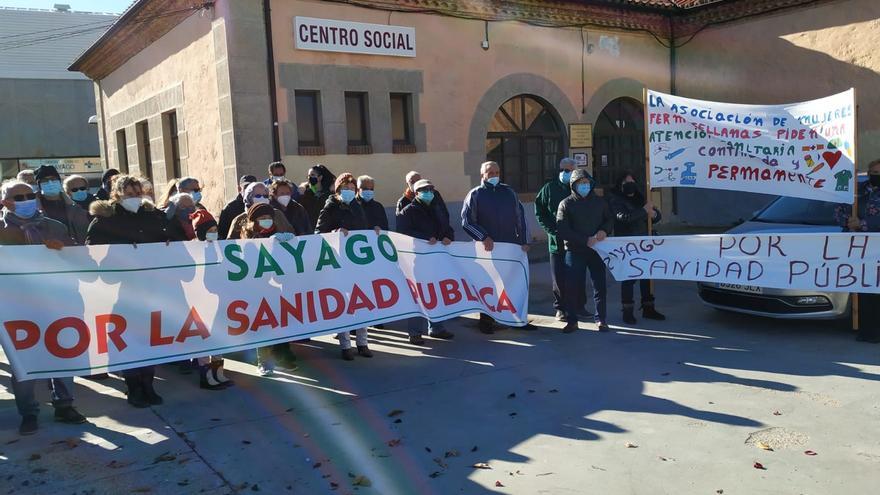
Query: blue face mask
[583, 189]
[197, 196]
[80, 195]
[367, 194]
[51, 188]
[493, 180]
[565, 176]
[346, 195]
[425, 196]
[26, 208]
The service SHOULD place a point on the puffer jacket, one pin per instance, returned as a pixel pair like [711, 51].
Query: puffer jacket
[424, 221]
[338, 215]
[113, 224]
[580, 218]
[630, 217]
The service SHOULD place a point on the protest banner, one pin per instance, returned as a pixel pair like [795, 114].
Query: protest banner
[804, 150]
[836, 262]
[86, 310]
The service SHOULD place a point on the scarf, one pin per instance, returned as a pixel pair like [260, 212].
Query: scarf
[30, 226]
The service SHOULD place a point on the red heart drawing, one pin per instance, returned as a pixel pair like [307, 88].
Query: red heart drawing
[832, 158]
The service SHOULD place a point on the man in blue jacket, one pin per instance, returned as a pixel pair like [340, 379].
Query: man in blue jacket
[492, 213]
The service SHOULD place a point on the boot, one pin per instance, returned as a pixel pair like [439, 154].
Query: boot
[207, 380]
[364, 351]
[219, 376]
[628, 316]
[650, 313]
[149, 392]
[135, 392]
[571, 325]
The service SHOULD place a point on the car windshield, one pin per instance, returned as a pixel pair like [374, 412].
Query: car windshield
[798, 211]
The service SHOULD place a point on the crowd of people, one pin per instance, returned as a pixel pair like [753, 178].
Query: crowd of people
[41, 208]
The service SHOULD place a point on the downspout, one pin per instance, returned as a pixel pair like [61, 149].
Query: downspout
[270, 70]
[103, 122]
[672, 90]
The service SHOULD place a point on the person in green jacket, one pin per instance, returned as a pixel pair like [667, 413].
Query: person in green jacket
[546, 204]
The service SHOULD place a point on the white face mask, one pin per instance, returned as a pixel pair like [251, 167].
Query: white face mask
[260, 201]
[132, 204]
[284, 200]
[212, 236]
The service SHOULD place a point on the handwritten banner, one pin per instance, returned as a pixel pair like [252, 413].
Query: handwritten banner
[839, 262]
[86, 310]
[804, 150]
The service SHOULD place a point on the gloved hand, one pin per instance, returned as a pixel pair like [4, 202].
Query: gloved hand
[283, 236]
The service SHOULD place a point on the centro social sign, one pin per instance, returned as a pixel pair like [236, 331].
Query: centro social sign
[328, 35]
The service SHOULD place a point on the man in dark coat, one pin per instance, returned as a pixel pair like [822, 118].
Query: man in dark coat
[583, 219]
[106, 179]
[374, 210]
[57, 205]
[424, 220]
[233, 208]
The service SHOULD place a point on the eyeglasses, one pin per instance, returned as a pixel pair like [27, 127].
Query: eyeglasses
[197, 189]
[77, 189]
[24, 197]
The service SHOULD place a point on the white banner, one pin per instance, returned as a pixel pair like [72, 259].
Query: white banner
[86, 310]
[804, 150]
[838, 262]
[329, 35]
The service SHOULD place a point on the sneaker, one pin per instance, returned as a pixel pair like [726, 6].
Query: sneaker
[265, 369]
[442, 334]
[348, 354]
[69, 415]
[416, 340]
[560, 315]
[364, 351]
[28, 425]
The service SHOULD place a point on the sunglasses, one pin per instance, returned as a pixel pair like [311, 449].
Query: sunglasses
[77, 189]
[24, 197]
[198, 189]
[261, 195]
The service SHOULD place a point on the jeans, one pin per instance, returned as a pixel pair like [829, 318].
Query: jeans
[25, 394]
[627, 289]
[557, 273]
[577, 264]
[416, 325]
[360, 338]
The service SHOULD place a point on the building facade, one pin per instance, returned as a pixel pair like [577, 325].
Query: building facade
[221, 88]
[44, 108]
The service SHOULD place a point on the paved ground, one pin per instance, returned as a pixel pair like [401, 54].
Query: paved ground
[547, 412]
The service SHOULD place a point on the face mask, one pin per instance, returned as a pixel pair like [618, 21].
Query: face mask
[284, 200]
[425, 196]
[874, 179]
[132, 204]
[80, 195]
[565, 176]
[51, 188]
[197, 196]
[583, 189]
[260, 201]
[629, 188]
[367, 194]
[265, 223]
[26, 208]
[277, 178]
[313, 180]
[493, 180]
[212, 236]
[346, 195]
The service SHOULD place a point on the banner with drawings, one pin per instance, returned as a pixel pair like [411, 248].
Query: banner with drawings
[804, 150]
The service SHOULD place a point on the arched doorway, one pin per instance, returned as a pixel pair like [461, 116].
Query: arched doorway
[619, 141]
[526, 139]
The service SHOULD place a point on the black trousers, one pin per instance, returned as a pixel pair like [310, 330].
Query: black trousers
[627, 290]
[557, 272]
[576, 265]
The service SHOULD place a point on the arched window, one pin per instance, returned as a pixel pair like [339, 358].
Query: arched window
[526, 140]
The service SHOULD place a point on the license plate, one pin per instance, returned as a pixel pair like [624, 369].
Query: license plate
[751, 289]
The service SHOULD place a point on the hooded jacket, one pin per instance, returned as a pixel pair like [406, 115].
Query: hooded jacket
[113, 224]
[494, 211]
[338, 215]
[581, 217]
[425, 221]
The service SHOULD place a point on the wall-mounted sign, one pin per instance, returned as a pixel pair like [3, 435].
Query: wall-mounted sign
[65, 166]
[580, 135]
[580, 159]
[328, 35]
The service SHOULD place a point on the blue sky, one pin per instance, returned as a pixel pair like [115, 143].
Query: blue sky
[115, 6]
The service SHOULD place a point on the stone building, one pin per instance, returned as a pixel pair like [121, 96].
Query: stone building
[220, 88]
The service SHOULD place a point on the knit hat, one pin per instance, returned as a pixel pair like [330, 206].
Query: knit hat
[578, 174]
[258, 210]
[45, 171]
[108, 174]
[202, 220]
[422, 183]
[246, 179]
